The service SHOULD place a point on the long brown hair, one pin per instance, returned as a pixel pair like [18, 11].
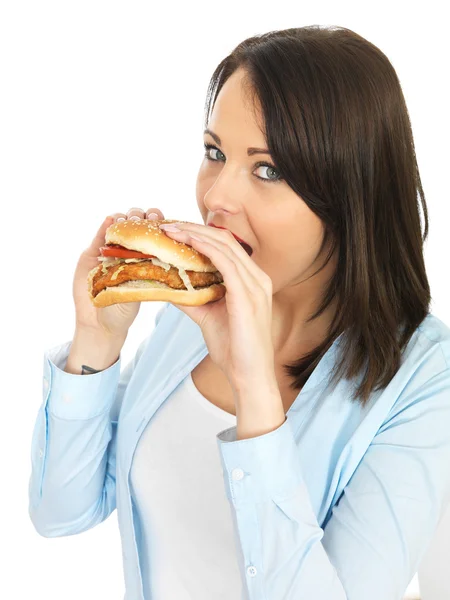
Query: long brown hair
[338, 129]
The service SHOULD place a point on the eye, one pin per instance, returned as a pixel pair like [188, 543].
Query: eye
[272, 168]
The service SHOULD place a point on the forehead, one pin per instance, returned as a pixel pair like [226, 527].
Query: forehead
[236, 110]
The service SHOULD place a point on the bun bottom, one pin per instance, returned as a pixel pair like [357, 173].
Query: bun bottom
[161, 293]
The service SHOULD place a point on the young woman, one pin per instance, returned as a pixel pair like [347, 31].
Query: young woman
[291, 440]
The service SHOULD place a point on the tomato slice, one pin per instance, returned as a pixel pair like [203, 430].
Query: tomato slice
[120, 252]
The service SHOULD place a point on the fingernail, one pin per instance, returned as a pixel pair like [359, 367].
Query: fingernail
[121, 219]
[169, 227]
[153, 216]
[134, 218]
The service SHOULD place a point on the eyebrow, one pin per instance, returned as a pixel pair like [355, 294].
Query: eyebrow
[250, 151]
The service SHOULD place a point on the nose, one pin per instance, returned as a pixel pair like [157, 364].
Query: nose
[222, 198]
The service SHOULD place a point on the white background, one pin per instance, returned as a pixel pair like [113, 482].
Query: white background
[101, 110]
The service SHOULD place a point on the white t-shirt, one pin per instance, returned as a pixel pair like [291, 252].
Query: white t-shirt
[190, 547]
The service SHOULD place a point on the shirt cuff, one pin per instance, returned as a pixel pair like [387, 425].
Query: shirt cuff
[71, 396]
[260, 468]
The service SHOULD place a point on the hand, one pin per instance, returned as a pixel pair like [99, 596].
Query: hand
[116, 319]
[237, 328]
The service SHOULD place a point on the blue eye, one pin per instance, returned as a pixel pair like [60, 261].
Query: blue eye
[209, 147]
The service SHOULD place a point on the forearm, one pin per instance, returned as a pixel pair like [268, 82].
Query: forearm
[72, 483]
[92, 352]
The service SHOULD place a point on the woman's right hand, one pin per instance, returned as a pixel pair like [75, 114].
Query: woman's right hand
[116, 319]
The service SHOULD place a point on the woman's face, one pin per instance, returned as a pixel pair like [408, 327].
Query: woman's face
[284, 233]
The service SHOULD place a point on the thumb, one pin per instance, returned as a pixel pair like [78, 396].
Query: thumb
[196, 313]
[99, 238]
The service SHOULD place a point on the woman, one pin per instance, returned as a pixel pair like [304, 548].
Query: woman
[291, 440]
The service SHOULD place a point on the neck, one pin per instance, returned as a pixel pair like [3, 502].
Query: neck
[292, 335]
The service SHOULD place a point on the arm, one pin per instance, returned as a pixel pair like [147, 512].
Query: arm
[380, 527]
[72, 486]
[90, 354]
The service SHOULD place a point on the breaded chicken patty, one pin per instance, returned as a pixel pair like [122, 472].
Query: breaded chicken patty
[147, 270]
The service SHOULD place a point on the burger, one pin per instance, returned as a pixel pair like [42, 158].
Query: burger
[139, 262]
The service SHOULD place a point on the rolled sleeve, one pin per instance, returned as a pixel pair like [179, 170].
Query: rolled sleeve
[260, 468]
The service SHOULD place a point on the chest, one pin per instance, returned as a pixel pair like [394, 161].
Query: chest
[212, 383]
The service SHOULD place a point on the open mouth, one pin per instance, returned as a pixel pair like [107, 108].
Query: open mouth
[246, 246]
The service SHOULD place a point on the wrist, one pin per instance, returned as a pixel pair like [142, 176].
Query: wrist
[92, 351]
[97, 333]
[263, 381]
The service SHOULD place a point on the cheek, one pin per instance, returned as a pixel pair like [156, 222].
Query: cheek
[289, 249]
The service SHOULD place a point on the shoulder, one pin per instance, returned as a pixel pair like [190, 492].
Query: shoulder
[433, 333]
[422, 384]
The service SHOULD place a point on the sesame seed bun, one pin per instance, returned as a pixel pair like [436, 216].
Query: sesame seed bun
[145, 236]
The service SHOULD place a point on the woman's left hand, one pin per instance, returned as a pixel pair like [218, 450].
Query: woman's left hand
[237, 328]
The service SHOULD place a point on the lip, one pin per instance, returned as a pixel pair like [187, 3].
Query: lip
[244, 244]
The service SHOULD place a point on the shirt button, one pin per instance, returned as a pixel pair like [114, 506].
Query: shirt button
[45, 382]
[237, 474]
[41, 452]
[251, 571]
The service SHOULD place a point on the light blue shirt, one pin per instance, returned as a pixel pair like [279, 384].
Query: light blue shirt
[338, 503]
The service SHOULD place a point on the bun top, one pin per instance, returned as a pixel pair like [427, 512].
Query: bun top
[145, 236]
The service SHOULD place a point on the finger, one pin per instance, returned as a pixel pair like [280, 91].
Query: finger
[239, 282]
[118, 216]
[135, 213]
[226, 238]
[154, 214]
[235, 274]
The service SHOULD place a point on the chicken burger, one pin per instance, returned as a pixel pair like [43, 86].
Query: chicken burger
[139, 262]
